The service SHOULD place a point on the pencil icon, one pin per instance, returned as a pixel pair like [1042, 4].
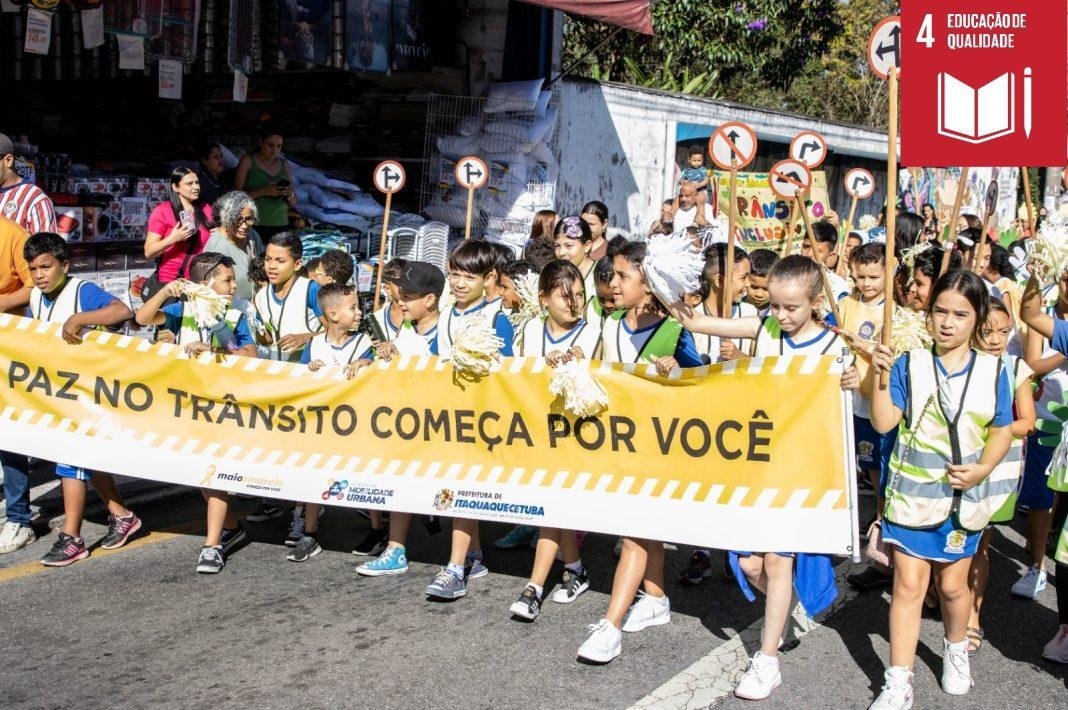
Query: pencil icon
[1027, 101]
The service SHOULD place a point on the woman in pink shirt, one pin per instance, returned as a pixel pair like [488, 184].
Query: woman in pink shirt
[179, 228]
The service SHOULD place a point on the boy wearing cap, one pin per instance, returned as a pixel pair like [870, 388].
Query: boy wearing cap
[419, 286]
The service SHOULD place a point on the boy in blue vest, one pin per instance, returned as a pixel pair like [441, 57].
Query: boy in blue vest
[79, 305]
[231, 335]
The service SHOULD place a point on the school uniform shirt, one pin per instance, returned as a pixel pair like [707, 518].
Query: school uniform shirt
[708, 345]
[28, 206]
[630, 343]
[283, 317]
[538, 342]
[356, 347]
[947, 542]
[75, 296]
[173, 314]
[866, 321]
[410, 341]
[1055, 383]
[385, 322]
[825, 342]
[450, 319]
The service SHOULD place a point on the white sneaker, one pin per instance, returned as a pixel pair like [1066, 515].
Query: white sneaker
[956, 668]
[604, 644]
[647, 611]
[1033, 582]
[1057, 649]
[760, 679]
[897, 690]
[15, 536]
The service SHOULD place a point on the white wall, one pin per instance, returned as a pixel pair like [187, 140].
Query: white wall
[616, 144]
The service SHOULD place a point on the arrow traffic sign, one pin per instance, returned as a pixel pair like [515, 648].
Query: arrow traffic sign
[810, 148]
[389, 177]
[860, 183]
[732, 146]
[471, 172]
[884, 46]
[789, 178]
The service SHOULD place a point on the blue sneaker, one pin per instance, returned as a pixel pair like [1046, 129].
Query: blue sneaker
[446, 586]
[392, 561]
[474, 568]
[518, 536]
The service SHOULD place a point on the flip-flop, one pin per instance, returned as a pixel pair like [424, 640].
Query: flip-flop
[975, 640]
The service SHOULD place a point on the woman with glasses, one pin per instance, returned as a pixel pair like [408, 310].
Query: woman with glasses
[236, 214]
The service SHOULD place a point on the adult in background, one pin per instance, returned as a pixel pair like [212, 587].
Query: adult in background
[665, 225]
[178, 229]
[595, 214]
[15, 285]
[693, 210]
[265, 176]
[213, 184]
[236, 214]
[21, 201]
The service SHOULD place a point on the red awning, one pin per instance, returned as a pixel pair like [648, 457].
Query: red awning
[631, 14]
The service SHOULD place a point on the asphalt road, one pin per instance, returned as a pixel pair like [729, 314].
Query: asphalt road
[138, 627]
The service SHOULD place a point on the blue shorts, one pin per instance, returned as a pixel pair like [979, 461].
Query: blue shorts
[889, 441]
[868, 444]
[67, 471]
[947, 543]
[1034, 492]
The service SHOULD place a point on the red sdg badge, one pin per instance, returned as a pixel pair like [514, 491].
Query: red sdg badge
[983, 82]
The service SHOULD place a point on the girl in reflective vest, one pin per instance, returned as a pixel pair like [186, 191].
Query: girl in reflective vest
[1056, 330]
[561, 336]
[641, 332]
[952, 406]
[793, 326]
[994, 339]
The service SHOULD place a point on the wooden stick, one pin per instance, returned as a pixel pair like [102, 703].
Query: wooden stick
[891, 222]
[827, 291]
[980, 250]
[946, 256]
[840, 265]
[958, 201]
[1027, 202]
[470, 211]
[382, 249]
[787, 242]
[728, 279]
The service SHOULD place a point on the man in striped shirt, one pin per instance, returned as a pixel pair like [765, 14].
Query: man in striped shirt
[20, 200]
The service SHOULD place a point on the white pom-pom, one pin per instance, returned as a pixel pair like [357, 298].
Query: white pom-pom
[909, 331]
[204, 305]
[1049, 257]
[526, 287]
[583, 395]
[673, 267]
[868, 222]
[475, 346]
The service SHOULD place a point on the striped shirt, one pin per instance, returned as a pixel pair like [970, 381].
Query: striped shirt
[26, 204]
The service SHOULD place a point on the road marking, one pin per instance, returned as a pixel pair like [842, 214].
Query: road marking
[713, 677]
[25, 569]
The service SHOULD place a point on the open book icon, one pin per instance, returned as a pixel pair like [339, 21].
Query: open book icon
[976, 115]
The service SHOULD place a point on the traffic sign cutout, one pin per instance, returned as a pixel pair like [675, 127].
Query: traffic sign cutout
[732, 146]
[472, 172]
[860, 183]
[789, 178]
[389, 176]
[884, 46]
[809, 148]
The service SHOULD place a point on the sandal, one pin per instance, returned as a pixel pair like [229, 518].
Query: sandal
[975, 640]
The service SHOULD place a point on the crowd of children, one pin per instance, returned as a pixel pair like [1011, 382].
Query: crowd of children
[942, 446]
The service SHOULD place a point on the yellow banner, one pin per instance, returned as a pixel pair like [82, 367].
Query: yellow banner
[762, 215]
[759, 447]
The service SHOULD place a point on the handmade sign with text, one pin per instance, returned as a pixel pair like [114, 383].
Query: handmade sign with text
[984, 82]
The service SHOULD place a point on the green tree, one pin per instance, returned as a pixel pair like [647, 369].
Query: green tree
[806, 56]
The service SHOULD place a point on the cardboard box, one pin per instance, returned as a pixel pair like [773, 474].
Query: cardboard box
[70, 223]
[134, 212]
[82, 263]
[111, 262]
[138, 260]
